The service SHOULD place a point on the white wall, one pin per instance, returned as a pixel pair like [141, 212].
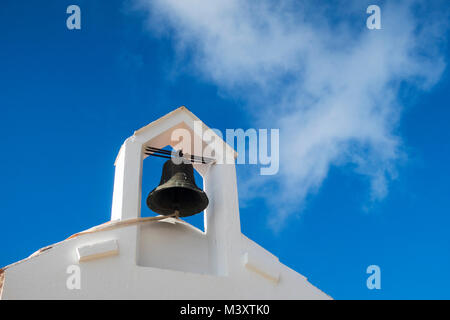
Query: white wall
[120, 277]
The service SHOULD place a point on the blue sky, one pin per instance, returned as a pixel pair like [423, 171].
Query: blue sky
[368, 185]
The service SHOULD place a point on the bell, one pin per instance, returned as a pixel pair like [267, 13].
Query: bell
[177, 191]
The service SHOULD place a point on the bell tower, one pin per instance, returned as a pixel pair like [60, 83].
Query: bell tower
[163, 257]
[222, 224]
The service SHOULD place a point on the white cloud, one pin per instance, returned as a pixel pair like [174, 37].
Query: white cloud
[318, 74]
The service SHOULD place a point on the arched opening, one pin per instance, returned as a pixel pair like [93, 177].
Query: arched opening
[151, 176]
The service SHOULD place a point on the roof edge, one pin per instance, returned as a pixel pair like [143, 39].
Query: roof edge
[173, 112]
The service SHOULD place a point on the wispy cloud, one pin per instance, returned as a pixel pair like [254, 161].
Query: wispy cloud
[314, 71]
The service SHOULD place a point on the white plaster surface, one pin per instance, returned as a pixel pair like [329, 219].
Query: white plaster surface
[97, 250]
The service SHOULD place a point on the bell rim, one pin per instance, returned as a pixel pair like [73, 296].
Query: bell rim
[202, 194]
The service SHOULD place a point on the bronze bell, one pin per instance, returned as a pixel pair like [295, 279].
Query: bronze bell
[177, 191]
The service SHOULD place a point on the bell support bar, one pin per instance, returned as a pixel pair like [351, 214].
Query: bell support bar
[156, 152]
[152, 151]
[170, 154]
